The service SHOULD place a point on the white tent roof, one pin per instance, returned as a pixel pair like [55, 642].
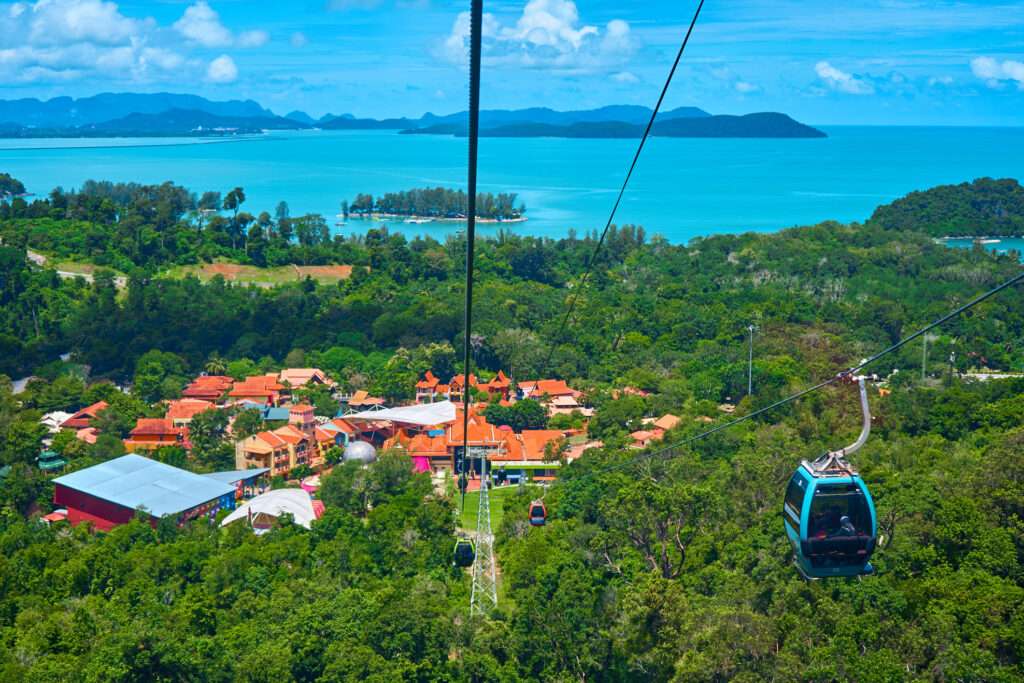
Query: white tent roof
[425, 414]
[275, 503]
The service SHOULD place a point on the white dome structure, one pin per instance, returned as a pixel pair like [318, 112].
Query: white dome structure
[264, 510]
[360, 450]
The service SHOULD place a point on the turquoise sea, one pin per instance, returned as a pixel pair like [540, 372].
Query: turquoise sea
[682, 188]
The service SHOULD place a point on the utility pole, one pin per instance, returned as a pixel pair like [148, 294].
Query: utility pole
[484, 597]
[750, 364]
[924, 354]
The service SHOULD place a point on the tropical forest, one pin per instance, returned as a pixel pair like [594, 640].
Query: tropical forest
[673, 567]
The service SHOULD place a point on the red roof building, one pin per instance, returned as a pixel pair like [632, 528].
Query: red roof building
[181, 412]
[208, 387]
[80, 420]
[279, 450]
[151, 434]
[264, 388]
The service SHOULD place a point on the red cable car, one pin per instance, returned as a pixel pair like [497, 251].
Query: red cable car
[537, 513]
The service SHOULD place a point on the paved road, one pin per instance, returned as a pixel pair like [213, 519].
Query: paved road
[989, 375]
[40, 260]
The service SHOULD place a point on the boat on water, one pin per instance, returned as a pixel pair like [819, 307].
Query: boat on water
[420, 220]
[341, 223]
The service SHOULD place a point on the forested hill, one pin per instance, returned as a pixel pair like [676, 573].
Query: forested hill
[759, 125]
[981, 208]
[672, 569]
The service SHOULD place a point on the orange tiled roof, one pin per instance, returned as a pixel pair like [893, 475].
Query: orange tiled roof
[187, 408]
[290, 434]
[299, 408]
[270, 439]
[260, 385]
[552, 387]
[80, 420]
[157, 426]
[428, 381]
[297, 377]
[534, 441]
[667, 421]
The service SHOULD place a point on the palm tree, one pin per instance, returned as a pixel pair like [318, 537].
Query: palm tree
[215, 364]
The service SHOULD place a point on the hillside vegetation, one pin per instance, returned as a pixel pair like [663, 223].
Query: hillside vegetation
[675, 568]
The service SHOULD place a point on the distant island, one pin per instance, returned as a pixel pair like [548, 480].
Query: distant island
[435, 203]
[761, 125]
[175, 115]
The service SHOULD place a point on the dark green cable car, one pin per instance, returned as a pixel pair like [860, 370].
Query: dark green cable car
[464, 553]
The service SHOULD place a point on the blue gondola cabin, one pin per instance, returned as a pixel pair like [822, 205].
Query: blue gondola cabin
[830, 522]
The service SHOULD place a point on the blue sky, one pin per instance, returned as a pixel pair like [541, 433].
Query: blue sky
[853, 62]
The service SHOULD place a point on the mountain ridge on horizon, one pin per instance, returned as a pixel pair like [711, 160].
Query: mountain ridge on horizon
[169, 114]
[65, 111]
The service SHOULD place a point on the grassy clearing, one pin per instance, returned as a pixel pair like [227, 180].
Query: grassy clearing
[265, 277]
[496, 497]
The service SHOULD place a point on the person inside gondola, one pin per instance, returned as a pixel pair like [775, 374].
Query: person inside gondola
[845, 527]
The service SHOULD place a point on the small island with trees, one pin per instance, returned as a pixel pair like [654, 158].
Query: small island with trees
[440, 203]
[10, 187]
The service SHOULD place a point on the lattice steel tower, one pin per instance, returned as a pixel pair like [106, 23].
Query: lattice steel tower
[485, 593]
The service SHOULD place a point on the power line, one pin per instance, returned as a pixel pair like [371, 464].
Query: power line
[636, 157]
[841, 375]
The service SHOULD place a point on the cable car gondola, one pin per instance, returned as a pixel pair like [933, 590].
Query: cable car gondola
[828, 512]
[538, 514]
[464, 553]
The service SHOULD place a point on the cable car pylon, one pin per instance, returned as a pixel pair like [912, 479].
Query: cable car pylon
[484, 597]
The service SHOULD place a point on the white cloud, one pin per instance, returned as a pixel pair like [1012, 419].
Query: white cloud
[57, 22]
[222, 70]
[55, 41]
[202, 25]
[625, 77]
[253, 38]
[994, 72]
[548, 35]
[842, 81]
[744, 87]
[298, 40]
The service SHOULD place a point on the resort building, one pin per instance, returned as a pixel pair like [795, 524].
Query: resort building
[279, 451]
[299, 377]
[208, 388]
[109, 494]
[263, 388]
[181, 412]
[426, 388]
[151, 434]
[80, 420]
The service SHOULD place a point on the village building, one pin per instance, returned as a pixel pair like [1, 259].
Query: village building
[299, 377]
[150, 434]
[181, 412]
[426, 388]
[285, 448]
[362, 399]
[208, 388]
[80, 420]
[263, 388]
[500, 384]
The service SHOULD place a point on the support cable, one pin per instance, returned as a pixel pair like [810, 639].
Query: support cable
[841, 376]
[475, 15]
[636, 157]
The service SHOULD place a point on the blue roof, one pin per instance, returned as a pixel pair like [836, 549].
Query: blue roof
[270, 413]
[235, 476]
[133, 480]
